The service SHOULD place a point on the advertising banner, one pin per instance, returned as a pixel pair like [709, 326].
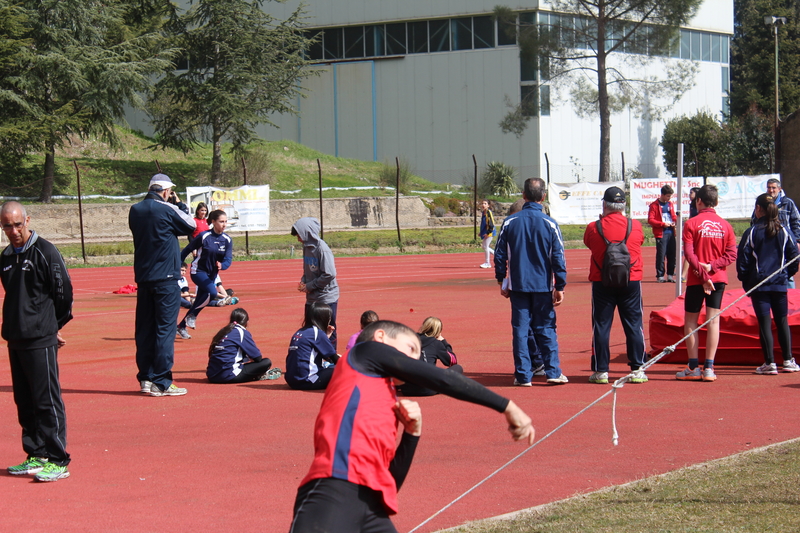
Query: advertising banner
[737, 194]
[578, 203]
[247, 207]
[646, 191]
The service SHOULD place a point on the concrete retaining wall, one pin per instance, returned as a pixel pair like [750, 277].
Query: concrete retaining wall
[109, 222]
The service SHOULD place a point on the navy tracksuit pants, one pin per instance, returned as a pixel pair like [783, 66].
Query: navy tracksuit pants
[628, 302]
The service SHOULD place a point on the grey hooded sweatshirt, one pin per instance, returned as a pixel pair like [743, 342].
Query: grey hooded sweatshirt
[319, 271]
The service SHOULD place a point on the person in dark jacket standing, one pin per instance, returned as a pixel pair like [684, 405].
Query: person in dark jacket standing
[530, 250]
[627, 300]
[766, 247]
[156, 223]
[37, 304]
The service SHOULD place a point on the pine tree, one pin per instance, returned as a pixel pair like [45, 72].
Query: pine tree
[243, 65]
[85, 63]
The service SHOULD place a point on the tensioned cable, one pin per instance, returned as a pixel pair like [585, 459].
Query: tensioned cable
[616, 385]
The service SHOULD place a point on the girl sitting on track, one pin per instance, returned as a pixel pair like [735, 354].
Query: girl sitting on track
[311, 357]
[367, 318]
[764, 248]
[434, 347]
[233, 356]
[215, 253]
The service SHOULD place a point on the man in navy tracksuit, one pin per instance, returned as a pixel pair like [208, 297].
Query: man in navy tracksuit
[530, 248]
[156, 223]
[37, 304]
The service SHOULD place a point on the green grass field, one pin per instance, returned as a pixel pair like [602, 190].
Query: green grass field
[753, 492]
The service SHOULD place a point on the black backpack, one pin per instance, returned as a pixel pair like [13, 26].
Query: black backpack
[616, 269]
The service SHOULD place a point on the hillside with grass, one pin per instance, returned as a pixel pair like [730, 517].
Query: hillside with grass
[284, 165]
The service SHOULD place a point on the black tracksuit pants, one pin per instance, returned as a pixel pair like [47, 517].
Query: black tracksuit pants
[40, 409]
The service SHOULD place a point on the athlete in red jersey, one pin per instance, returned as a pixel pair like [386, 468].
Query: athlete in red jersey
[709, 247]
[353, 481]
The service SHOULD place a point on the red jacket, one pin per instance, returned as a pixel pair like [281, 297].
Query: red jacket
[654, 218]
[708, 238]
[614, 227]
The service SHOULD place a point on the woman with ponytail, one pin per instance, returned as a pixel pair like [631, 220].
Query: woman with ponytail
[233, 356]
[765, 247]
[311, 357]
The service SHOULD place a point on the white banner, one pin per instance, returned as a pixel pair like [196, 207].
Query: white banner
[247, 207]
[578, 203]
[646, 191]
[737, 194]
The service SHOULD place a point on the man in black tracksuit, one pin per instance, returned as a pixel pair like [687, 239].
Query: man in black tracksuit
[37, 304]
[156, 223]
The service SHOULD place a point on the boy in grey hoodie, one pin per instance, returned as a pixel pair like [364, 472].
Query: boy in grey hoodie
[319, 270]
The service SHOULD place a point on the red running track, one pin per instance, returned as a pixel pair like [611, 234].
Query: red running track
[232, 455]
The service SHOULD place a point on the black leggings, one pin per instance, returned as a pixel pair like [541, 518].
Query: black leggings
[331, 505]
[250, 372]
[777, 302]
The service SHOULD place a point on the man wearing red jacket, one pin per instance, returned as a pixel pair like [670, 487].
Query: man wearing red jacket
[627, 300]
[709, 246]
[661, 218]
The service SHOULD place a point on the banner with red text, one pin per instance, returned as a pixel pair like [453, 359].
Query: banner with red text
[646, 191]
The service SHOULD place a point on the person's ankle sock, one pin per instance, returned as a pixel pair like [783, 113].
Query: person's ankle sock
[693, 363]
[708, 364]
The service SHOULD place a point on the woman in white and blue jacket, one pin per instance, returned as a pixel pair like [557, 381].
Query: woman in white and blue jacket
[765, 247]
[214, 253]
[233, 356]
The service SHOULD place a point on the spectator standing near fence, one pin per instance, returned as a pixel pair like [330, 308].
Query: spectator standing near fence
[661, 218]
[627, 300]
[37, 304]
[156, 223]
[709, 246]
[530, 250]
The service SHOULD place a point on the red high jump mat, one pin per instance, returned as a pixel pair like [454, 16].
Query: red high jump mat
[738, 339]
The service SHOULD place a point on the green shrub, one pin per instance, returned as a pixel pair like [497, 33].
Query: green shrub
[499, 180]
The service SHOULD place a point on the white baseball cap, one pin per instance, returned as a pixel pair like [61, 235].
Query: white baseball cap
[162, 180]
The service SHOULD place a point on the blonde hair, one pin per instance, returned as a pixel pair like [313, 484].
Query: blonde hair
[431, 327]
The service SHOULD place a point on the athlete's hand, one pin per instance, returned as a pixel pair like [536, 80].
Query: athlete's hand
[409, 414]
[301, 287]
[330, 331]
[60, 340]
[558, 297]
[708, 287]
[519, 424]
[706, 266]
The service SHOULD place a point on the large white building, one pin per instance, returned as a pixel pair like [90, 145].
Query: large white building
[428, 81]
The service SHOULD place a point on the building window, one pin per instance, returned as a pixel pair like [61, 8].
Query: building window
[724, 44]
[354, 41]
[529, 103]
[396, 39]
[332, 43]
[315, 50]
[440, 35]
[462, 33]
[418, 37]
[715, 39]
[706, 44]
[483, 32]
[503, 37]
[375, 40]
[544, 100]
[726, 81]
[697, 48]
[686, 44]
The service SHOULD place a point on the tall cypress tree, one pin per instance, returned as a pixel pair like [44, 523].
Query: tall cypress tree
[753, 57]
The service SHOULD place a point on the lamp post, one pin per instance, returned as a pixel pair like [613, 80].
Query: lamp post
[775, 22]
